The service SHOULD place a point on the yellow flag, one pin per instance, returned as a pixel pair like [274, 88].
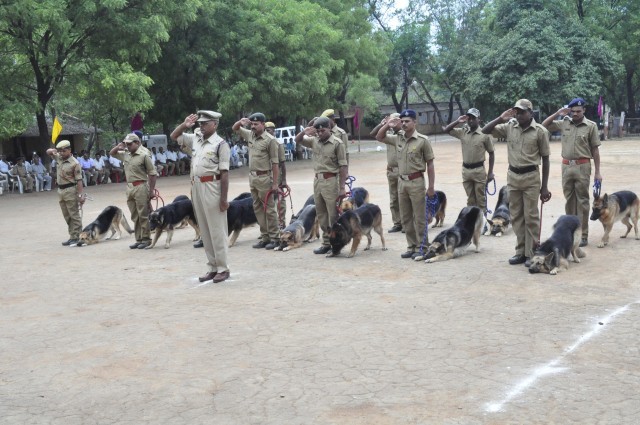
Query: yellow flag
[57, 129]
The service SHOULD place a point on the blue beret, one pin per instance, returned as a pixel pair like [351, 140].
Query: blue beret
[408, 113]
[138, 133]
[578, 101]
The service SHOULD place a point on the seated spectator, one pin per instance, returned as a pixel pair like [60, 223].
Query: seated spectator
[234, 157]
[154, 160]
[184, 162]
[20, 171]
[41, 174]
[116, 167]
[98, 163]
[161, 161]
[4, 166]
[243, 152]
[88, 168]
[172, 159]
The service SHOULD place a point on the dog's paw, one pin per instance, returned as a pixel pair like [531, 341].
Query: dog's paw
[167, 246]
[487, 233]
[367, 248]
[116, 238]
[109, 238]
[623, 237]
[499, 235]
[419, 258]
[350, 255]
[286, 248]
[149, 247]
[602, 245]
[554, 271]
[331, 254]
[384, 248]
[429, 260]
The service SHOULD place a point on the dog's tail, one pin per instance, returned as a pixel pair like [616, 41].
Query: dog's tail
[125, 224]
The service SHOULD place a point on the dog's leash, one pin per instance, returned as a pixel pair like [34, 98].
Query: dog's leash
[349, 182]
[597, 186]
[80, 205]
[156, 196]
[486, 198]
[431, 205]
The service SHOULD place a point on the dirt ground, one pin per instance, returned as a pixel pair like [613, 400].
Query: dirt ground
[103, 334]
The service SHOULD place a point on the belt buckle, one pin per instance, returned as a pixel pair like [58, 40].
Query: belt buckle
[572, 162]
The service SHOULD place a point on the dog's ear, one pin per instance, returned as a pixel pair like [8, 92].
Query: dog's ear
[490, 222]
[605, 200]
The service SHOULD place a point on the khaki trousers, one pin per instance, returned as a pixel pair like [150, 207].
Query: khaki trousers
[412, 196]
[268, 221]
[394, 203]
[138, 203]
[575, 186]
[524, 192]
[325, 195]
[212, 223]
[68, 200]
[474, 182]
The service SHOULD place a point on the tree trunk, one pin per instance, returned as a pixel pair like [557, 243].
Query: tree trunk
[432, 102]
[631, 100]
[459, 104]
[396, 104]
[450, 109]
[43, 129]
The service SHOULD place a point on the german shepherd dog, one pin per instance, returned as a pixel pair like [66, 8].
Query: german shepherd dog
[353, 224]
[501, 217]
[109, 219]
[623, 206]
[179, 198]
[240, 214]
[555, 251]
[440, 212]
[169, 217]
[359, 197]
[310, 201]
[301, 230]
[465, 230]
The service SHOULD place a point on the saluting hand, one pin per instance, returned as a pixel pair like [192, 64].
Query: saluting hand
[190, 120]
[564, 111]
[508, 114]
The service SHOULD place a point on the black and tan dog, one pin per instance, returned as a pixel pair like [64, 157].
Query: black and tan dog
[440, 211]
[465, 230]
[354, 224]
[109, 219]
[310, 201]
[555, 251]
[179, 198]
[359, 197]
[240, 214]
[501, 217]
[303, 229]
[169, 217]
[619, 206]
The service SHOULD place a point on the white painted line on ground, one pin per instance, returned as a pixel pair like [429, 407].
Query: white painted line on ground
[550, 367]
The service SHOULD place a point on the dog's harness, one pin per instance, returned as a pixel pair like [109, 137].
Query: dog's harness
[431, 206]
[349, 182]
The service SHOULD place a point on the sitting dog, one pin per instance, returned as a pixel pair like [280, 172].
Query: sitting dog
[109, 219]
[240, 214]
[554, 252]
[301, 230]
[169, 217]
[310, 201]
[465, 230]
[439, 215]
[359, 197]
[353, 224]
[501, 218]
[619, 206]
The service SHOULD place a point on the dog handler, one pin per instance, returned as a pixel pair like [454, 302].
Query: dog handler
[211, 157]
[69, 179]
[527, 144]
[270, 128]
[263, 176]
[580, 143]
[474, 146]
[138, 168]
[330, 169]
[414, 156]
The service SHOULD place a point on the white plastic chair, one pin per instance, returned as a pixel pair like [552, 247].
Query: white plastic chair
[15, 181]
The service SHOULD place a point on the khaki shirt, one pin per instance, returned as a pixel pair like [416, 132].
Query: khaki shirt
[20, 170]
[577, 139]
[208, 157]
[340, 134]
[413, 153]
[281, 159]
[526, 146]
[474, 144]
[392, 153]
[263, 149]
[67, 170]
[137, 165]
[328, 156]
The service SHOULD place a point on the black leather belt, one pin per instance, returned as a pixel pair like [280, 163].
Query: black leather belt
[523, 170]
[474, 165]
[66, 186]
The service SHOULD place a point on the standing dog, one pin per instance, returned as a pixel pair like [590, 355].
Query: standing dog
[359, 197]
[555, 251]
[353, 224]
[439, 215]
[304, 228]
[240, 214]
[501, 218]
[109, 219]
[465, 230]
[169, 217]
[619, 206]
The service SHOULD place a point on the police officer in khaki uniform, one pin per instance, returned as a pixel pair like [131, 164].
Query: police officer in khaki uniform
[580, 143]
[330, 170]
[392, 173]
[263, 176]
[138, 168]
[337, 132]
[70, 189]
[527, 143]
[210, 158]
[475, 145]
[282, 180]
[414, 156]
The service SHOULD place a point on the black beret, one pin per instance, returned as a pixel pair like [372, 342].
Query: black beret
[257, 116]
